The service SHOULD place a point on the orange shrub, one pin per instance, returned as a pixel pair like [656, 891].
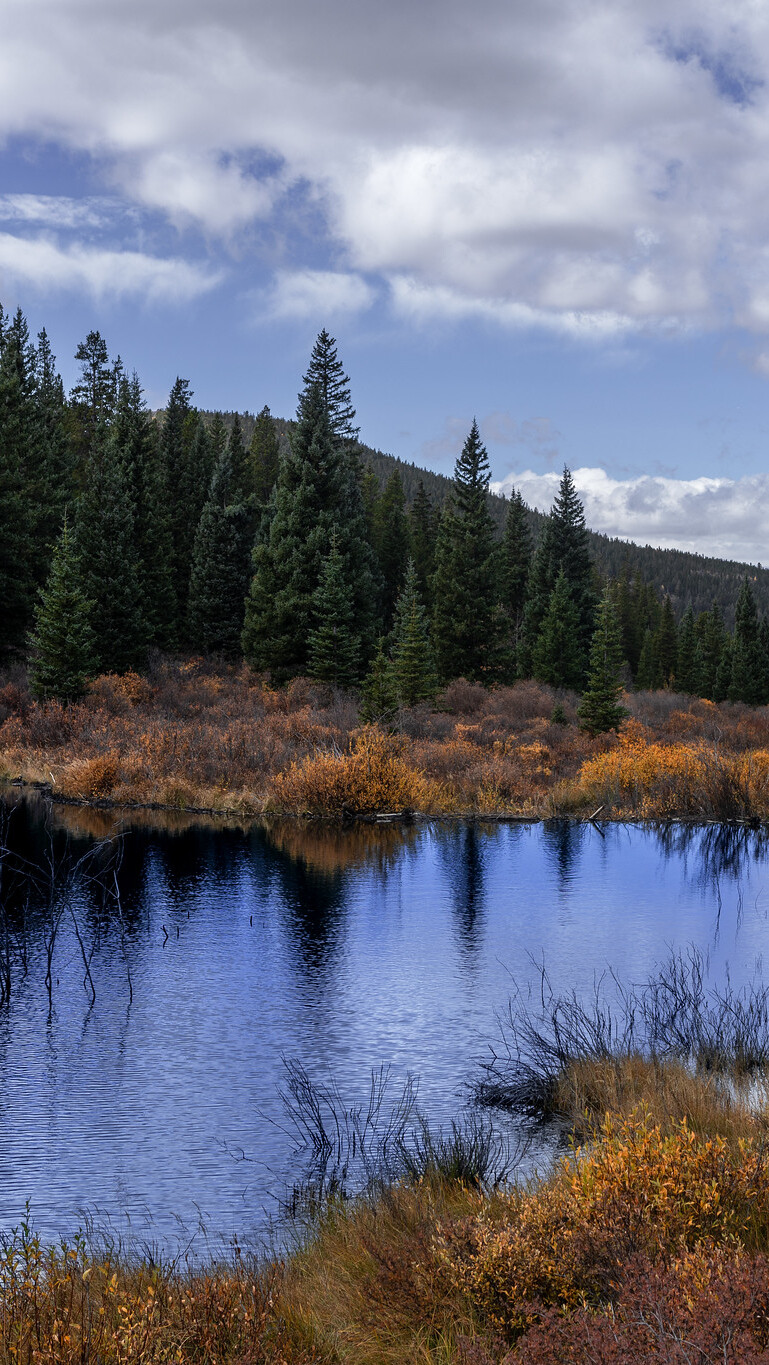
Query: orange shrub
[638, 1191]
[371, 776]
[91, 778]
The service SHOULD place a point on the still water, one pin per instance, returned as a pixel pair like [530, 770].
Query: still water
[153, 1095]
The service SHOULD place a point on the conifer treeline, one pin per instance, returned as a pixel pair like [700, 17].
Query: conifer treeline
[124, 530]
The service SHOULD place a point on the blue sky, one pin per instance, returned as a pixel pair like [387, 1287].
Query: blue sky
[552, 217]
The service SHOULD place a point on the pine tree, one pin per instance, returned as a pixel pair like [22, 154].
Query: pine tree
[666, 645]
[105, 545]
[17, 516]
[50, 477]
[317, 488]
[264, 458]
[413, 666]
[724, 674]
[391, 542]
[516, 566]
[422, 531]
[748, 682]
[63, 643]
[686, 670]
[185, 488]
[711, 636]
[136, 438]
[600, 709]
[379, 697]
[334, 648]
[220, 564]
[468, 622]
[326, 372]
[94, 396]
[647, 677]
[563, 548]
[557, 656]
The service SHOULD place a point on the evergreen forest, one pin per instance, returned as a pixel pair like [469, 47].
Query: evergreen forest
[296, 547]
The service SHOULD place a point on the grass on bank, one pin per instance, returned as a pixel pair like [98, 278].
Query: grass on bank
[192, 735]
[647, 1243]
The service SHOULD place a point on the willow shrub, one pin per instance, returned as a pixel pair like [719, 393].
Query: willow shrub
[370, 776]
[639, 1191]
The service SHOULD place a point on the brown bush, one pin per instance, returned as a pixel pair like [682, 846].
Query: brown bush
[371, 776]
[91, 778]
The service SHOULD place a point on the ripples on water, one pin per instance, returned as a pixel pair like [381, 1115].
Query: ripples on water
[344, 948]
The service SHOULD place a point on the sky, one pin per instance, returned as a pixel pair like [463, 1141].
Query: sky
[551, 217]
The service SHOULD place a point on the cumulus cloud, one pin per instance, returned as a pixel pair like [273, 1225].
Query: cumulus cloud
[595, 168]
[722, 517]
[317, 294]
[41, 263]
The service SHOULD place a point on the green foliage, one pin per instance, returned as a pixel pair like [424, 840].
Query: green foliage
[666, 645]
[468, 621]
[391, 542]
[334, 647]
[184, 460]
[557, 656]
[221, 563]
[264, 458]
[563, 549]
[105, 544]
[326, 373]
[317, 488]
[600, 710]
[422, 523]
[63, 643]
[688, 667]
[17, 543]
[379, 696]
[750, 666]
[516, 566]
[413, 666]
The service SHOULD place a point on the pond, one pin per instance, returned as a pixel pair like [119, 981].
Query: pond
[144, 1093]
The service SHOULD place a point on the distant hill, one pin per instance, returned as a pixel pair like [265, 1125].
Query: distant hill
[687, 577]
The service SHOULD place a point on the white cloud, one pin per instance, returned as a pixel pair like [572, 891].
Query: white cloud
[593, 168]
[317, 294]
[59, 211]
[41, 263]
[727, 518]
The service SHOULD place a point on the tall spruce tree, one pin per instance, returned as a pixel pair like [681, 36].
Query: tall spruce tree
[264, 458]
[136, 437]
[413, 665]
[600, 708]
[185, 486]
[687, 670]
[334, 655]
[105, 545]
[18, 551]
[666, 645]
[422, 531]
[63, 643]
[750, 667]
[563, 548]
[557, 656]
[516, 566]
[326, 373]
[221, 563]
[317, 488]
[468, 620]
[391, 542]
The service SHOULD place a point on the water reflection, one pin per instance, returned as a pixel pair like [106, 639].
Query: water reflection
[563, 839]
[345, 948]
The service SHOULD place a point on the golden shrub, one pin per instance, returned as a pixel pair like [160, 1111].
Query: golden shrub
[370, 776]
[91, 778]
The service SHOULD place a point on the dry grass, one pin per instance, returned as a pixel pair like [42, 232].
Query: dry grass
[191, 736]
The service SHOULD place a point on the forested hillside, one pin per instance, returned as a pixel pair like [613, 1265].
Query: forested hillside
[689, 579]
[293, 546]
